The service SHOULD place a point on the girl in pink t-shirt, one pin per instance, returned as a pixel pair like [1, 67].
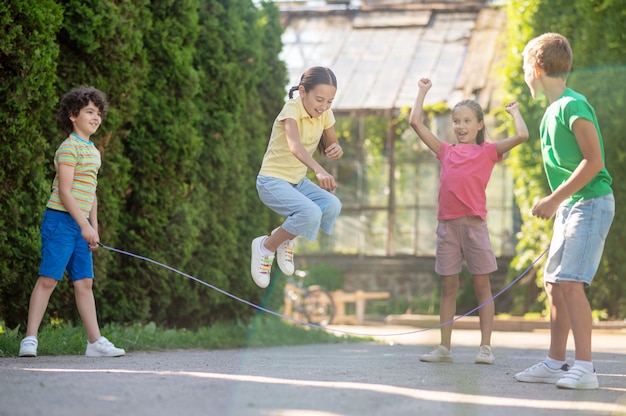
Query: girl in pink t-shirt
[462, 230]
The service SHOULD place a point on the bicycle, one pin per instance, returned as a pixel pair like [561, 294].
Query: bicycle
[312, 304]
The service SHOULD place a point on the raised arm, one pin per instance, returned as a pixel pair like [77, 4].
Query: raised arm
[521, 131]
[416, 118]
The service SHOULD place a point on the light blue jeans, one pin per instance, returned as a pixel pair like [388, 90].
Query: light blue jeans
[305, 206]
[580, 231]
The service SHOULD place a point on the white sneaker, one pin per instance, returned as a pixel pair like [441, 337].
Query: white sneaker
[439, 355]
[260, 264]
[541, 373]
[28, 346]
[103, 348]
[485, 355]
[284, 256]
[578, 379]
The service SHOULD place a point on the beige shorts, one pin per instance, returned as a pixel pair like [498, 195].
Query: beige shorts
[465, 238]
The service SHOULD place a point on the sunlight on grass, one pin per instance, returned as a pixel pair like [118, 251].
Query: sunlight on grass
[62, 338]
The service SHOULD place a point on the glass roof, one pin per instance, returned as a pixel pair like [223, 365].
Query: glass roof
[378, 57]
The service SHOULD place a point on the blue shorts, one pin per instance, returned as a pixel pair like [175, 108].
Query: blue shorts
[464, 238]
[580, 231]
[63, 248]
[305, 206]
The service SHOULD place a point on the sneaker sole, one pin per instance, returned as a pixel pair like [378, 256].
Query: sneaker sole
[287, 270]
[28, 355]
[104, 355]
[436, 360]
[582, 386]
[536, 380]
[482, 361]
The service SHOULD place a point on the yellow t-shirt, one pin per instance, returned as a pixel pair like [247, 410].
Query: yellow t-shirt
[278, 161]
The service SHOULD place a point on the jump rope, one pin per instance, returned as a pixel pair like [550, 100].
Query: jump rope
[260, 308]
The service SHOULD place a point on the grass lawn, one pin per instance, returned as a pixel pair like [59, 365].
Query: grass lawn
[262, 331]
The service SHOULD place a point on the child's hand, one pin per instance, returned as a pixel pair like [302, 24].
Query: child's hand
[546, 208]
[424, 84]
[90, 235]
[512, 107]
[334, 151]
[94, 246]
[326, 181]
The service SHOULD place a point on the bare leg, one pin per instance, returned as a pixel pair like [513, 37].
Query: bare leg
[482, 288]
[447, 306]
[86, 304]
[559, 322]
[39, 303]
[580, 317]
[274, 240]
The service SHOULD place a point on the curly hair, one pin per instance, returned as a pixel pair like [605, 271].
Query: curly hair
[77, 99]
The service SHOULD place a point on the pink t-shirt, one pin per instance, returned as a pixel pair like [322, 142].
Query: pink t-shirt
[465, 172]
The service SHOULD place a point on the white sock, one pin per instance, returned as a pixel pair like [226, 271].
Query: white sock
[553, 364]
[585, 365]
[265, 251]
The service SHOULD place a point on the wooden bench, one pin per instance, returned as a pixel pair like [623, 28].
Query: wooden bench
[359, 298]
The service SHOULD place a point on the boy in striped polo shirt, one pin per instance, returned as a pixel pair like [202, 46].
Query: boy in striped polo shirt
[69, 229]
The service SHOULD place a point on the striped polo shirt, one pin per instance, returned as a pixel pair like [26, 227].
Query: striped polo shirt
[84, 157]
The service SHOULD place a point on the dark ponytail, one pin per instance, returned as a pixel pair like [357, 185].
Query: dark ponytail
[317, 75]
[292, 89]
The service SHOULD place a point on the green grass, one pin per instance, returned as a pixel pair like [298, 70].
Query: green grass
[66, 339]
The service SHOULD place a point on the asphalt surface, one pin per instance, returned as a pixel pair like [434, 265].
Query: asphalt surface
[384, 378]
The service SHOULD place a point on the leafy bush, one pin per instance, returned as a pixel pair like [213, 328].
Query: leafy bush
[193, 87]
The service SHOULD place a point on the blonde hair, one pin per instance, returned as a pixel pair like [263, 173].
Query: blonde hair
[552, 53]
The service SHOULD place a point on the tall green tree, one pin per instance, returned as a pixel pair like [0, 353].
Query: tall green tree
[242, 84]
[595, 31]
[162, 218]
[193, 87]
[28, 62]
[101, 44]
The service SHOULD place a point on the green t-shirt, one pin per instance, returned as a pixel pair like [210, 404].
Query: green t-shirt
[559, 148]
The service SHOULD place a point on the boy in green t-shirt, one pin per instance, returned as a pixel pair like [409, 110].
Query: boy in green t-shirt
[582, 200]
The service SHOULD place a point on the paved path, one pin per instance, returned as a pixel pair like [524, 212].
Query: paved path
[314, 380]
